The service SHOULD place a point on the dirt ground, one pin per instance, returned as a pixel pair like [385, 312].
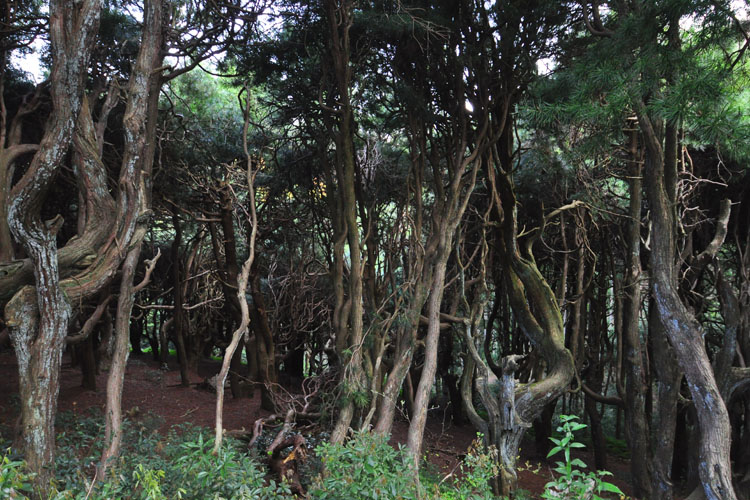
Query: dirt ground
[149, 388]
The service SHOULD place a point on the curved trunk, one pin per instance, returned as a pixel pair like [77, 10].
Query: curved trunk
[513, 409]
[340, 19]
[682, 329]
[38, 316]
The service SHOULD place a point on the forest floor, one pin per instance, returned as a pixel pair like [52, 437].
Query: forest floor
[150, 389]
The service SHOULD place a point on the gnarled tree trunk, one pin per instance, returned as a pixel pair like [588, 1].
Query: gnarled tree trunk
[682, 329]
[38, 316]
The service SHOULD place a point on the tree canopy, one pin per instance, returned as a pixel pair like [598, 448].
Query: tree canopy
[369, 210]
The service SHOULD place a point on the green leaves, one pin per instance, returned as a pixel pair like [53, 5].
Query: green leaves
[368, 468]
[14, 480]
[573, 483]
[154, 466]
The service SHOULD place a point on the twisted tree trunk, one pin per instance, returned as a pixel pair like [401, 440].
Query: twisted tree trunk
[682, 329]
[38, 316]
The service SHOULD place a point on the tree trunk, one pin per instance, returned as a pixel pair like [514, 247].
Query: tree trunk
[39, 347]
[683, 331]
[179, 322]
[636, 382]
[38, 317]
[242, 281]
[596, 328]
[340, 19]
[236, 384]
[427, 379]
[88, 363]
[113, 413]
[265, 348]
[668, 379]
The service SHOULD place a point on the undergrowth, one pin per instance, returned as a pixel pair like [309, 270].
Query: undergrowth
[180, 465]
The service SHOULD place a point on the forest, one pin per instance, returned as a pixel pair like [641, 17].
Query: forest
[377, 249]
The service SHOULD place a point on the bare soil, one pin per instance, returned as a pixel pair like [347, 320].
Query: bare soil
[150, 388]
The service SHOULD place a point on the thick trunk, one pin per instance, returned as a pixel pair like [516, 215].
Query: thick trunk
[683, 331]
[668, 378]
[38, 317]
[39, 344]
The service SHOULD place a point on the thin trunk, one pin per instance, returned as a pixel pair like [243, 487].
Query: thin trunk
[596, 327]
[113, 413]
[427, 379]
[406, 334]
[340, 19]
[242, 280]
[636, 383]
[88, 363]
[179, 322]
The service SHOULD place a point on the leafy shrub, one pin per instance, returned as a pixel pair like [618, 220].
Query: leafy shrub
[156, 467]
[15, 482]
[477, 470]
[180, 465]
[366, 467]
[572, 482]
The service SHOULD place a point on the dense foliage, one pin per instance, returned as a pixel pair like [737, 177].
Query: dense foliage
[370, 212]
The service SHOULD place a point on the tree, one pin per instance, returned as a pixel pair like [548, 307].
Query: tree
[38, 316]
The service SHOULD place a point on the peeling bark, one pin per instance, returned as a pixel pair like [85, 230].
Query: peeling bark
[38, 316]
[683, 331]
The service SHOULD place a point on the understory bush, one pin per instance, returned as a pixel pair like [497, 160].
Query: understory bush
[153, 466]
[367, 468]
[180, 464]
[15, 482]
[572, 482]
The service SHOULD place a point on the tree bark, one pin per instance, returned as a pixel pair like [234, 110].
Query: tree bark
[179, 323]
[116, 378]
[38, 316]
[668, 378]
[636, 424]
[340, 19]
[683, 331]
[242, 280]
[538, 314]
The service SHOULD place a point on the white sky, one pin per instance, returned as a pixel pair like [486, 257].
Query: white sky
[31, 63]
